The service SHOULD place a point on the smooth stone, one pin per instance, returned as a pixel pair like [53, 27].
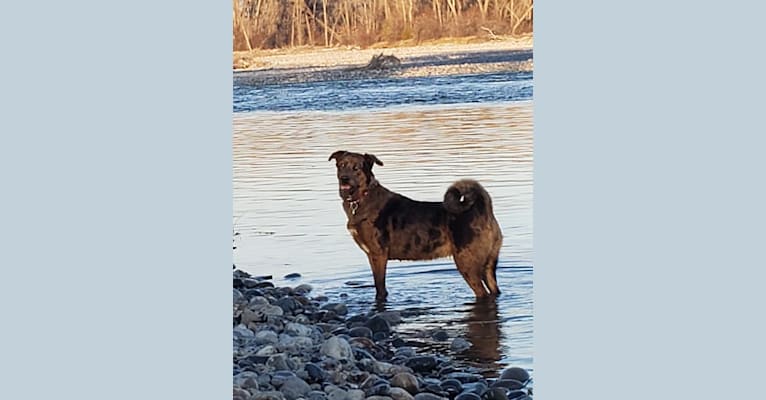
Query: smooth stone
[460, 344]
[392, 317]
[517, 395]
[406, 381]
[288, 304]
[378, 324]
[358, 318]
[495, 393]
[337, 394]
[421, 363]
[241, 394]
[464, 377]
[452, 386]
[397, 393]
[266, 337]
[316, 395]
[360, 331]
[303, 289]
[378, 336]
[355, 394]
[242, 332]
[249, 316]
[428, 396]
[440, 335]
[467, 396]
[264, 285]
[376, 397]
[238, 296]
[240, 274]
[278, 378]
[511, 384]
[266, 351]
[278, 362]
[298, 329]
[337, 348]
[519, 374]
[315, 373]
[294, 275]
[338, 308]
[268, 395]
[294, 388]
[380, 389]
[246, 380]
[475, 387]
[405, 351]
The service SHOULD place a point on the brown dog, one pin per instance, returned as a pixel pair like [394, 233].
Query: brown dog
[389, 226]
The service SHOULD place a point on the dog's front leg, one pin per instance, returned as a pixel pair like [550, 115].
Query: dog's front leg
[378, 266]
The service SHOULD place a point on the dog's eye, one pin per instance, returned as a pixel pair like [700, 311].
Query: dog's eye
[356, 168]
[462, 198]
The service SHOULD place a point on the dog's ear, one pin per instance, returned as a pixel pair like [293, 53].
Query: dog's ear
[338, 154]
[370, 158]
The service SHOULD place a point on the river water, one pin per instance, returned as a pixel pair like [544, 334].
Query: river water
[289, 218]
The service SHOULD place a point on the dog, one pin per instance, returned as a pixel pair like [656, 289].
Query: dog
[389, 226]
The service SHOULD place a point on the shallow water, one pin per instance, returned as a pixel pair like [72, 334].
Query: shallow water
[289, 216]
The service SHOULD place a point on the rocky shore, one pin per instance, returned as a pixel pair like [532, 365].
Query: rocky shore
[290, 343]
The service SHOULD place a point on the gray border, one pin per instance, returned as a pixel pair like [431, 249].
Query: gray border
[116, 174]
[648, 201]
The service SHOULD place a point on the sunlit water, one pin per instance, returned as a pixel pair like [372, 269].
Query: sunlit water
[289, 216]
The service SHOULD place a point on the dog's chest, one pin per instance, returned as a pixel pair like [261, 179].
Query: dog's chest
[358, 232]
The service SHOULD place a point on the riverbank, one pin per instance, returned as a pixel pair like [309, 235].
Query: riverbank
[436, 59]
[291, 343]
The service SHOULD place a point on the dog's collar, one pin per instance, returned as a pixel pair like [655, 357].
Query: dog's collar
[353, 204]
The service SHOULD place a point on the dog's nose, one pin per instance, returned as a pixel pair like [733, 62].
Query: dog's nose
[344, 179]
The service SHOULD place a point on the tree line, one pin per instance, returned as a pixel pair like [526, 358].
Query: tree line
[268, 24]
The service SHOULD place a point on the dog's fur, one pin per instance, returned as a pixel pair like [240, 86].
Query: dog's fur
[389, 226]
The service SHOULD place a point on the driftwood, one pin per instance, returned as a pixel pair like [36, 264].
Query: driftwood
[381, 61]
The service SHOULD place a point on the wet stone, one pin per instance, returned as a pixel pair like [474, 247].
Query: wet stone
[360, 331]
[467, 396]
[266, 337]
[421, 363]
[464, 377]
[316, 395]
[288, 304]
[516, 395]
[440, 335]
[293, 275]
[337, 348]
[519, 374]
[460, 344]
[452, 386]
[315, 373]
[268, 395]
[378, 324]
[278, 378]
[511, 384]
[496, 393]
[397, 393]
[294, 388]
[406, 381]
[337, 308]
[428, 396]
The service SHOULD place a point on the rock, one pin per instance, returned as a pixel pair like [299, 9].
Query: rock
[316, 395]
[337, 308]
[516, 395]
[246, 380]
[460, 344]
[355, 394]
[294, 275]
[519, 374]
[294, 388]
[440, 335]
[496, 393]
[475, 387]
[464, 377]
[510, 384]
[278, 362]
[392, 317]
[397, 393]
[315, 373]
[467, 396]
[288, 304]
[298, 329]
[428, 396]
[360, 331]
[406, 381]
[303, 289]
[421, 363]
[241, 332]
[378, 336]
[266, 337]
[240, 394]
[337, 348]
[452, 386]
[380, 389]
[279, 377]
[268, 395]
[378, 324]
[375, 397]
[266, 351]
[336, 393]
[238, 296]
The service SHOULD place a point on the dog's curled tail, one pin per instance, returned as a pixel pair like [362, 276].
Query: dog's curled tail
[465, 195]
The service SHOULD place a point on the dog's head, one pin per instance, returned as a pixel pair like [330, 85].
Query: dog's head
[354, 173]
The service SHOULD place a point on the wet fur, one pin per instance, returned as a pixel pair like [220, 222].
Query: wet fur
[389, 226]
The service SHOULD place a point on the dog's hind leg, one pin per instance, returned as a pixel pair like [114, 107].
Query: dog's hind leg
[490, 279]
[471, 274]
[378, 266]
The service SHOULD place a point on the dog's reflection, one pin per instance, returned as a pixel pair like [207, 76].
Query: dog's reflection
[483, 331]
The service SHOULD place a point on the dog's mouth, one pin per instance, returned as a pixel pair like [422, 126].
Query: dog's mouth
[346, 190]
